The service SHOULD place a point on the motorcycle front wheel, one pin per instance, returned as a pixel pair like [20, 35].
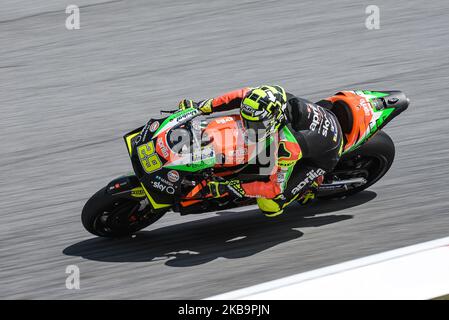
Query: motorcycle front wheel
[109, 216]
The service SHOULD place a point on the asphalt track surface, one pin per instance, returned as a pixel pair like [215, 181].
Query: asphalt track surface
[67, 97]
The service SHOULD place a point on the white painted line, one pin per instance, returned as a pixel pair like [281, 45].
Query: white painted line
[416, 272]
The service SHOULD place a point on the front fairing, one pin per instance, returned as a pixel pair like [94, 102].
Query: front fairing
[162, 160]
[149, 155]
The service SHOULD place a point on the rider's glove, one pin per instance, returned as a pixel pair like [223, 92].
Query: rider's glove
[204, 106]
[219, 189]
[186, 104]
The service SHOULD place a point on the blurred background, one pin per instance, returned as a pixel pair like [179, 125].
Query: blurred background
[68, 96]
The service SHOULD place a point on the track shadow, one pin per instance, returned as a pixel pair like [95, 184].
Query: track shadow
[229, 235]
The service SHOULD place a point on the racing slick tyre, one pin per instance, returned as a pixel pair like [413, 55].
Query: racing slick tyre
[110, 216]
[370, 161]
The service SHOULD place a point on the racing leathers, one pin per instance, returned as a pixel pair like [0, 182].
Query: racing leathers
[309, 144]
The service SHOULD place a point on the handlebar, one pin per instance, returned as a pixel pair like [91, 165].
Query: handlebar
[169, 111]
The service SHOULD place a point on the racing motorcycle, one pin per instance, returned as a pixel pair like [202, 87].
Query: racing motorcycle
[173, 159]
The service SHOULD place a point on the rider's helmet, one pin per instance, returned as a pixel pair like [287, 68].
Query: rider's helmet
[262, 110]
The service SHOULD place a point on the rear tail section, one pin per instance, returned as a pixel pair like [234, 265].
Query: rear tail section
[362, 113]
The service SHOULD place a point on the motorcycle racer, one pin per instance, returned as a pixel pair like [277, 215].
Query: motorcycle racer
[309, 144]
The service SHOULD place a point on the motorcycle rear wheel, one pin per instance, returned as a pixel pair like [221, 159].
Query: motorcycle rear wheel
[371, 161]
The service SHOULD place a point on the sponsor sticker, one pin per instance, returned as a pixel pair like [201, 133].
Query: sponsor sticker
[310, 177]
[366, 107]
[158, 185]
[281, 177]
[163, 148]
[185, 116]
[248, 108]
[137, 192]
[173, 175]
[137, 139]
[170, 190]
[224, 120]
[164, 181]
[154, 126]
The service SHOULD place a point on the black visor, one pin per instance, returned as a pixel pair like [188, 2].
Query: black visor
[257, 130]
